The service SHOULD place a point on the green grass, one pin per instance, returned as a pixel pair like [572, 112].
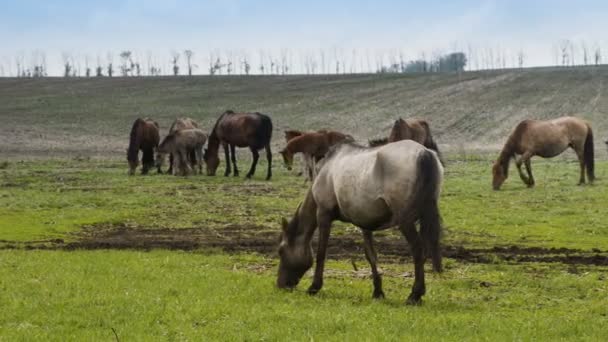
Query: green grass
[173, 295]
[177, 296]
[42, 200]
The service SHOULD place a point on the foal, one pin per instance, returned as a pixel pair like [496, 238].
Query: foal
[313, 144]
[182, 144]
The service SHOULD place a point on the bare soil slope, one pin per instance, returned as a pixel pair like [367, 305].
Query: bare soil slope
[56, 116]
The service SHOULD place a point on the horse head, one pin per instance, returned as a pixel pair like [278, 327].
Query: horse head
[287, 159]
[498, 175]
[295, 256]
[212, 161]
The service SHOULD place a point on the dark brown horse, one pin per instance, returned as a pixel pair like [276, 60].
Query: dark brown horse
[412, 129]
[145, 137]
[253, 130]
[179, 124]
[546, 139]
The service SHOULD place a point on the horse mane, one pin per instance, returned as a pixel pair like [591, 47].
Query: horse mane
[134, 140]
[344, 143]
[213, 135]
[378, 142]
[169, 138]
[508, 150]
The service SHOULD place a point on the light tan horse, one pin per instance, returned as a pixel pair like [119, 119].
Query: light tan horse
[546, 139]
[410, 129]
[179, 124]
[314, 145]
[182, 144]
[397, 184]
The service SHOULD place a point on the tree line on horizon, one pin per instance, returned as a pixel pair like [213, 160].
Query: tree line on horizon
[128, 64]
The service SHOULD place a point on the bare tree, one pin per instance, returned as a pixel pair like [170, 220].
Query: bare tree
[585, 52]
[189, 54]
[110, 64]
[564, 45]
[86, 66]
[521, 58]
[598, 55]
[125, 68]
[98, 68]
[67, 64]
[174, 61]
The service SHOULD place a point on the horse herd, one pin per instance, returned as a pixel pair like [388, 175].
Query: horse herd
[392, 182]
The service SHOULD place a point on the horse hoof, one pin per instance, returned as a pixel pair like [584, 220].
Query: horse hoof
[411, 300]
[378, 295]
[313, 290]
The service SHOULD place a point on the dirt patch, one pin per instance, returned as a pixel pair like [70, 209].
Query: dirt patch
[253, 238]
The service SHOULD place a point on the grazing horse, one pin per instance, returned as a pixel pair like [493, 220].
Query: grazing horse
[178, 124]
[546, 139]
[313, 144]
[373, 188]
[253, 130]
[308, 165]
[183, 144]
[412, 129]
[144, 136]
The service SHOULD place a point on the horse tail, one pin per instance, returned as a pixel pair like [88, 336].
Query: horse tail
[428, 184]
[264, 133]
[588, 155]
[134, 140]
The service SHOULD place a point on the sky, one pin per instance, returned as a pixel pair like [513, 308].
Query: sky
[352, 31]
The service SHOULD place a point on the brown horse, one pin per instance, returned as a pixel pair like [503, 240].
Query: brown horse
[179, 124]
[144, 136]
[374, 189]
[308, 165]
[546, 139]
[410, 129]
[183, 144]
[253, 130]
[313, 144]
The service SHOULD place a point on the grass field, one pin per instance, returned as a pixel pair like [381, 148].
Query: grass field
[89, 253]
[63, 220]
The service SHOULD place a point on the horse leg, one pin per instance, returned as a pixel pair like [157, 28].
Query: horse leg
[324, 221]
[269, 159]
[408, 229]
[148, 154]
[256, 156]
[523, 177]
[191, 154]
[529, 170]
[525, 158]
[227, 155]
[170, 171]
[199, 160]
[233, 157]
[372, 258]
[581, 162]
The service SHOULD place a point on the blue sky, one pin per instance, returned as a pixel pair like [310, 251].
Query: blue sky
[411, 28]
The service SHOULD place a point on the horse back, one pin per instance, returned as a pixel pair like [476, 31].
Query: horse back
[244, 129]
[182, 123]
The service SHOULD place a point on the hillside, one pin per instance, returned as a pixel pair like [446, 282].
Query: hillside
[56, 116]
